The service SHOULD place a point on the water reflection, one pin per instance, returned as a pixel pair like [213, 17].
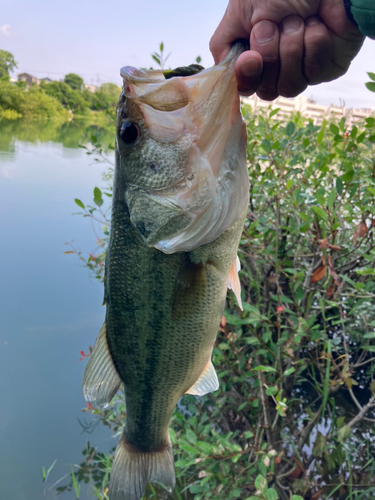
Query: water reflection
[69, 134]
[49, 307]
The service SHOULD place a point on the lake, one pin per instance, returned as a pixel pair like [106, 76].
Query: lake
[50, 306]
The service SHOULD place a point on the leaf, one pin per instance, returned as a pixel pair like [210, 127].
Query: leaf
[79, 203]
[319, 445]
[318, 274]
[370, 335]
[320, 136]
[69, 251]
[190, 436]
[343, 433]
[271, 391]
[339, 185]
[274, 112]
[370, 86]
[98, 196]
[271, 494]
[161, 47]
[340, 422]
[362, 229]
[370, 348]
[264, 369]
[334, 129]
[188, 448]
[289, 129]
[320, 212]
[323, 244]
[155, 58]
[289, 371]
[335, 248]
[260, 482]
[371, 75]
[366, 272]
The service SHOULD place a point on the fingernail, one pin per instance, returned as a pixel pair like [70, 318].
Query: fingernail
[292, 24]
[250, 68]
[264, 31]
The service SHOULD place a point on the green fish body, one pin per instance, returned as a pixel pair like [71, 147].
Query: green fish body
[179, 203]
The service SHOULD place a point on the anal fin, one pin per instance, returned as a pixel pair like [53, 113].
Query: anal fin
[101, 380]
[207, 382]
[234, 280]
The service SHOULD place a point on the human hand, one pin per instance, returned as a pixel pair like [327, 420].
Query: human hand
[294, 43]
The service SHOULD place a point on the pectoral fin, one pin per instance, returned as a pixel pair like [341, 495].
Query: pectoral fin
[101, 380]
[207, 382]
[234, 281]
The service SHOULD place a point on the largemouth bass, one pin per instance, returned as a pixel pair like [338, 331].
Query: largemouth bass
[180, 199]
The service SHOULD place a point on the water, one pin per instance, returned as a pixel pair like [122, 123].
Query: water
[50, 309]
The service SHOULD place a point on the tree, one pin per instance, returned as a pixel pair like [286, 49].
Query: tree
[111, 89]
[7, 63]
[74, 81]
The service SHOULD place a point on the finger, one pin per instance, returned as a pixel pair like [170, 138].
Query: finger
[264, 39]
[318, 52]
[291, 78]
[233, 26]
[248, 68]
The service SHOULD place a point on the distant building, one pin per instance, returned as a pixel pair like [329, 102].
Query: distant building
[91, 88]
[29, 79]
[46, 80]
[309, 109]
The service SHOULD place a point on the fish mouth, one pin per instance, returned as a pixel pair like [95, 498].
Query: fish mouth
[204, 108]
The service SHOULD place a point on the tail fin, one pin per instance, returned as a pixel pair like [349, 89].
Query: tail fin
[132, 470]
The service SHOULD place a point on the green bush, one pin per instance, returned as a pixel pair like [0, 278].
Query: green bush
[31, 104]
[296, 366]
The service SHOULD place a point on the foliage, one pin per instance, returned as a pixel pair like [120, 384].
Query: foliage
[66, 95]
[74, 81]
[159, 57]
[293, 417]
[371, 85]
[33, 104]
[7, 64]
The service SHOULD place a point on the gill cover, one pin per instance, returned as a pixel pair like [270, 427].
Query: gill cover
[200, 116]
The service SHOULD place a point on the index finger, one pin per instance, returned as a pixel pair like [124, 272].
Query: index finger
[230, 28]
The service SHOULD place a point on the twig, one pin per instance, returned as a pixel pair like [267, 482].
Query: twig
[363, 411]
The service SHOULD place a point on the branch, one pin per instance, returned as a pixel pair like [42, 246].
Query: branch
[264, 401]
[363, 411]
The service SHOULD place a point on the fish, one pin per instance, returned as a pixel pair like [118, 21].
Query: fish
[180, 199]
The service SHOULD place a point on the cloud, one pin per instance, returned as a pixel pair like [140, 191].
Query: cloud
[5, 29]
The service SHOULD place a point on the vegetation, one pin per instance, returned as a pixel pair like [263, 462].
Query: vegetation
[75, 81]
[51, 101]
[31, 104]
[293, 417]
[7, 64]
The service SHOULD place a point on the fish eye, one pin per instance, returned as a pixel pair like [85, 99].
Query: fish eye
[129, 133]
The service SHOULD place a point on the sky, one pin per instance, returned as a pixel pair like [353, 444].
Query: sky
[95, 39]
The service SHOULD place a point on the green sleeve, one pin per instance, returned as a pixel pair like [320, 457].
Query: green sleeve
[363, 12]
